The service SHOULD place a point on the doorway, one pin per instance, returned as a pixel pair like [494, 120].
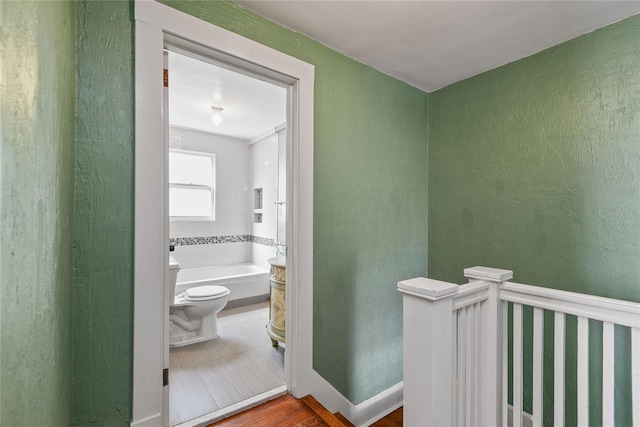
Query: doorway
[227, 160]
[157, 25]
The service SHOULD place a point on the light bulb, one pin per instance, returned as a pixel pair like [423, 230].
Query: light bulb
[216, 115]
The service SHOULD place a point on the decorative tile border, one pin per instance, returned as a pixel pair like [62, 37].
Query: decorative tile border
[214, 240]
[209, 240]
[262, 240]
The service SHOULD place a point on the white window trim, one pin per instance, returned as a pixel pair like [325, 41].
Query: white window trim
[211, 187]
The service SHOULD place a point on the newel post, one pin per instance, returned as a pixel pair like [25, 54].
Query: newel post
[428, 351]
[493, 360]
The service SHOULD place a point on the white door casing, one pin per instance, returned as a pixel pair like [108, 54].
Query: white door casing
[154, 23]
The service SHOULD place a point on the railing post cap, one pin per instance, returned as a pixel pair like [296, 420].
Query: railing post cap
[427, 288]
[488, 274]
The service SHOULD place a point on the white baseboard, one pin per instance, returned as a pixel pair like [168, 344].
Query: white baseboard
[152, 421]
[363, 414]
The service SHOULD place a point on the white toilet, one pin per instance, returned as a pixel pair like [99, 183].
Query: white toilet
[193, 314]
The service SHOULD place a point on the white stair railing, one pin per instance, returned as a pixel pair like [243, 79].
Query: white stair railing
[455, 350]
[609, 311]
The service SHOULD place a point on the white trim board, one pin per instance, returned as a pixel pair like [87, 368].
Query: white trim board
[363, 414]
[154, 24]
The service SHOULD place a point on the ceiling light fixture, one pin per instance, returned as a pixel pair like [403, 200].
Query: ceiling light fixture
[216, 115]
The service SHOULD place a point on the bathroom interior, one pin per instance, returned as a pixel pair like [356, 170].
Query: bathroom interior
[227, 228]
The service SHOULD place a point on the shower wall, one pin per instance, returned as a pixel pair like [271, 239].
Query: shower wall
[263, 157]
[233, 237]
[281, 233]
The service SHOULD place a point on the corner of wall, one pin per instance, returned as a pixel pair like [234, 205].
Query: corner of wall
[363, 414]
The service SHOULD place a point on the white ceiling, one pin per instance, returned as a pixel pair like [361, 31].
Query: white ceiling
[251, 106]
[428, 44]
[431, 44]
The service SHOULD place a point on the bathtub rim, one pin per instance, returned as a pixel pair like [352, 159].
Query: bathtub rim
[253, 284]
[254, 272]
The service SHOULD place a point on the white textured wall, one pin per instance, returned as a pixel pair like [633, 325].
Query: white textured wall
[194, 256]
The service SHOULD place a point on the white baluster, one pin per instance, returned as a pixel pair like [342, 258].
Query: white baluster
[470, 386]
[608, 369]
[558, 370]
[635, 375]
[505, 368]
[583, 371]
[517, 365]
[456, 372]
[476, 367]
[538, 349]
[462, 365]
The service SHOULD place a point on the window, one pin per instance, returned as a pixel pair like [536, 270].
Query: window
[191, 185]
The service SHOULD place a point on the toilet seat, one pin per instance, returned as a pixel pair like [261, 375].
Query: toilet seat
[205, 293]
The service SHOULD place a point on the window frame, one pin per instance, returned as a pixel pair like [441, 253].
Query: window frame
[211, 187]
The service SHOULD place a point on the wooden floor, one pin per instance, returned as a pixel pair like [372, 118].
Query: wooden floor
[239, 364]
[286, 411]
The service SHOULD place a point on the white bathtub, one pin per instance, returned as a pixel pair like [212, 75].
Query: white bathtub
[243, 280]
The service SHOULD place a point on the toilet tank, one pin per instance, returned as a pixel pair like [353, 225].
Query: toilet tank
[174, 267]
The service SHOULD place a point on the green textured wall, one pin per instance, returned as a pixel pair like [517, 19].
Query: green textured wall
[533, 167]
[103, 229]
[37, 111]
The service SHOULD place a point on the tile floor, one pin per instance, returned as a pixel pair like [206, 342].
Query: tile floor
[239, 364]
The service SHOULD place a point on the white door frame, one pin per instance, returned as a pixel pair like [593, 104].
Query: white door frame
[154, 21]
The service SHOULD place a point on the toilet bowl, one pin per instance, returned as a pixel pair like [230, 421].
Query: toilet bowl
[193, 314]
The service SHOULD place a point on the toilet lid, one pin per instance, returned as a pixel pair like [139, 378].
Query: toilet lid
[201, 293]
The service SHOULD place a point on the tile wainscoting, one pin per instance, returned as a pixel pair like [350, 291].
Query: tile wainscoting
[194, 252]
